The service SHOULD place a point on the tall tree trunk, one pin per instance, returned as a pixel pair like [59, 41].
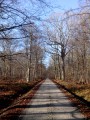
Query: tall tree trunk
[63, 68]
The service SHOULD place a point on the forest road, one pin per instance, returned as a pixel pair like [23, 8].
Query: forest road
[49, 103]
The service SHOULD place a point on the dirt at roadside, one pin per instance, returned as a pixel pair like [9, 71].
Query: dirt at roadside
[13, 111]
[83, 108]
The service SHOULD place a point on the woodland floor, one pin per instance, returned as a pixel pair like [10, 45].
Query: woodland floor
[13, 94]
[19, 94]
[80, 90]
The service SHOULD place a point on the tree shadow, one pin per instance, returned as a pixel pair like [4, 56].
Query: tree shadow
[48, 104]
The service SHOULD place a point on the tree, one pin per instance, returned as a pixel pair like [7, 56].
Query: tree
[34, 52]
[69, 44]
[58, 40]
[12, 19]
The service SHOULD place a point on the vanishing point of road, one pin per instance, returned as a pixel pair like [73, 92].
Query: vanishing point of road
[49, 103]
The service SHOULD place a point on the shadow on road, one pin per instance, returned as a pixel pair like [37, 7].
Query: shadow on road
[49, 103]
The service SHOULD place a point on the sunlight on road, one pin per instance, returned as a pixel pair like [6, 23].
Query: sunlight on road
[49, 103]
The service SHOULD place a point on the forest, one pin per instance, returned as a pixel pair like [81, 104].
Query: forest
[68, 40]
[24, 44]
[28, 40]
[21, 50]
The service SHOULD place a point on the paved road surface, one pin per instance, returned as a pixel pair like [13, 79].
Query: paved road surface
[49, 103]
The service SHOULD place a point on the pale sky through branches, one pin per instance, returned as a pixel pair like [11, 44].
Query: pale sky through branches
[44, 12]
[61, 6]
[66, 4]
[55, 6]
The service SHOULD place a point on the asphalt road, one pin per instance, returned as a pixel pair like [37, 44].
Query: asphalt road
[49, 103]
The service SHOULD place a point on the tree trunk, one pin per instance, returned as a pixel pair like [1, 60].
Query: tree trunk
[63, 69]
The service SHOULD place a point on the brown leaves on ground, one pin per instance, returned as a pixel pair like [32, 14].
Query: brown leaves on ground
[13, 98]
[80, 90]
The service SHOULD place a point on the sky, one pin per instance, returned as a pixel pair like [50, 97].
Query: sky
[44, 12]
[54, 6]
[61, 6]
[66, 4]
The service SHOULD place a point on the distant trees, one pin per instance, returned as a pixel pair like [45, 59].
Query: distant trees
[21, 55]
[28, 61]
[8, 47]
[69, 44]
[58, 39]
[33, 51]
[67, 37]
